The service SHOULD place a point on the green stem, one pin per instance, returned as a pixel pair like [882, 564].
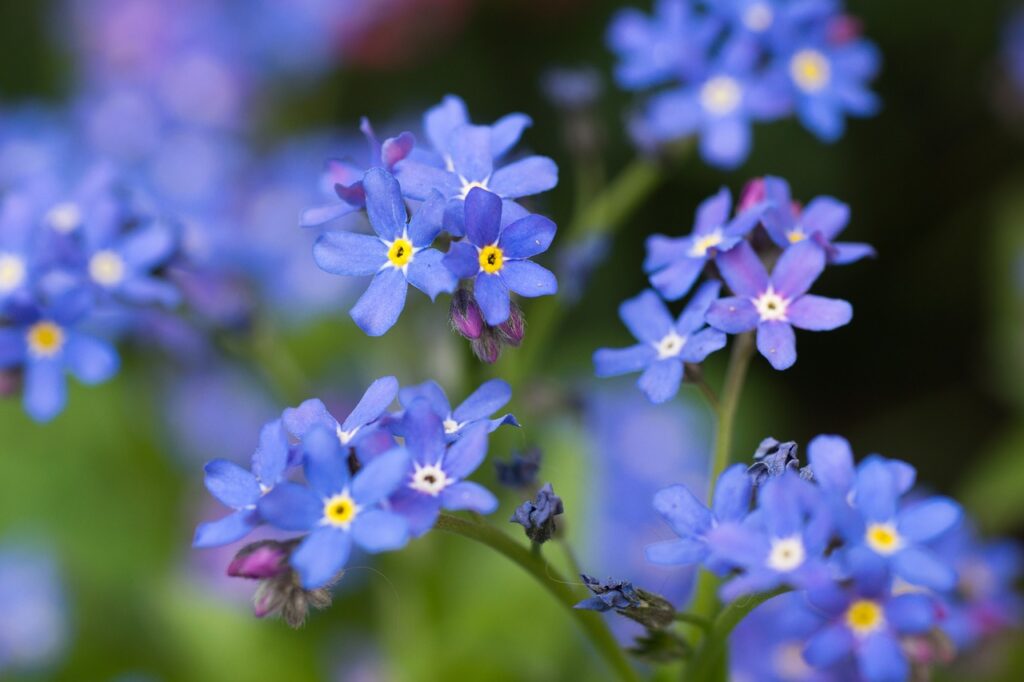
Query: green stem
[710, 661]
[592, 624]
[735, 375]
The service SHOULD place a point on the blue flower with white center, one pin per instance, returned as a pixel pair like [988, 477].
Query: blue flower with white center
[46, 343]
[241, 490]
[773, 306]
[885, 533]
[495, 255]
[34, 620]
[399, 255]
[359, 428]
[490, 397]
[821, 220]
[345, 177]
[464, 158]
[691, 520]
[862, 624]
[665, 344]
[782, 544]
[16, 261]
[337, 509]
[829, 82]
[675, 263]
[436, 479]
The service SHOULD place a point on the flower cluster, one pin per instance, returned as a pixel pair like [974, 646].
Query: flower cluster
[461, 187]
[722, 244]
[726, 65]
[372, 480]
[874, 566]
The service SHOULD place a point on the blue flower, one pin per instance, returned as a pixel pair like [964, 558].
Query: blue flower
[782, 544]
[398, 256]
[675, 263]
[777, 631]
[436, 479]
[16, 253]
[47, 343]
[691, 520]
[495, 255]
[35, 626]
[657, 49]
[241, 490]
[821, 220]
[490, 397]
[464, 157]
[665, 345]
[337, 509]
[775, 305]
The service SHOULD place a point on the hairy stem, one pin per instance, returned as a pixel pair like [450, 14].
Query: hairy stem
[533, 563]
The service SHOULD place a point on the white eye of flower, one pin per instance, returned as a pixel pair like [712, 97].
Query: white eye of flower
[64, 218]
[758, 17]
[771, 307]
[12, 272]
[721, 95]
[106, 268]
[468, 185]
[787, 554]
[670, 346]
[451, 426]
[429, 479]
[701, 245]
[345, 437]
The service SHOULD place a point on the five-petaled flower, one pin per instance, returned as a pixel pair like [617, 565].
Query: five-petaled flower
[490, 397]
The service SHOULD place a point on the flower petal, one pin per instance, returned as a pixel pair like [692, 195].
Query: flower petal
[490, 397]
[347, 253]
[384, 204]
[610, 362]
[831, 644]
[377, 531]
[676, 280]
[687, 515]
[378, 308]
[927, 520]
[831, 460]
[660, 381]
[528, 279]
[743, 270]
[777, 343]
[91, 360]
[826, 215]
[881, 659]
[506, 131]
[713, 212]
[318, 215]
[797, 269]
[526, 177]
[231, 484]
[702, 344]
[148, 246]
[731, 501]
[299, 420]
[377, 398]
[470, 149]
[321, 556]
[695, 312]
[483, 217]
[428, 273]
[680, 552]
[45, 392]
[426, 222]
[419, 180]
[290, 506]
[492, 297]
[224, 531]
[379, 478]
[470, 496]
[430, 391]
[922, 567]
[527, 237]
[646, 317]
[325, 464]
[462, 260]
[817, 313]
[733, 315]
[441, 119]
[271, 457]
[467, 453]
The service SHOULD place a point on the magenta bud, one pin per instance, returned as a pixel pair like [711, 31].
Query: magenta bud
[466, 318]
[513, 329]
[260, 561]
[844, 29]
[488, 347]
[752, 194]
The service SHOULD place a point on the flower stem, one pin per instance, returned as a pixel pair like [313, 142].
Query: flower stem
[710, 662]
[591, 623]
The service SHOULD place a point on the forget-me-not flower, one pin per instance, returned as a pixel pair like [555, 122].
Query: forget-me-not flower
[490, 397]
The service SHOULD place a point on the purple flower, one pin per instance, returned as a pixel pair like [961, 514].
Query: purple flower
[665, 344]
[775, 305]
[436, 479]
[495, 255]
[464, 157]
[675, 263]
[337, 509]
[821, 220]
[490, 397]
[241, 490]
[398, 256]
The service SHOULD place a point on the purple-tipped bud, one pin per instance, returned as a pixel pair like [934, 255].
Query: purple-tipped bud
[844, 29]
[465, 316]
[488, 347]
[513, 329]
[260, 560]
[752, 194]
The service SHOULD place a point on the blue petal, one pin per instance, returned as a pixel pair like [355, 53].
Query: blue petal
[483, 217]
[725, 143]
[384, 204]
[797, 269]
[377, 398]
[423, 431]
[733, 315]
[442, 119]
[381, 477]
[506, 131]
[470, 150]
[91, 360]
[470, 496]
[826, 215]
[527, 237]
[290, 506]
[822, 117]
[492, 297]
[426, 222]
[831, 644]
[732, 494]
[231, 484]
[45, 389]
[12, 347]
[680, 552]
[663, 251]
[743, 270]
[467, 453]
[419, 180]
[646, 317]
[490, 397]
[831, 460]
[660, 381]
[528, 279]
[844, 253]
[685, 513]
[347, 253]
[927, 520]
[321, 555]
[428, 273]
[377, 531]
[462, 260]
[874, 492]
[910, 613]
[226, 530]
[738, 545]
[299, 420]
[610, 362]
[702, 344]
[713, 212]
[271, 456]
[147, 247]
[676, 280]
[919, 566]
[419, 510]
[780, 505]
[325, 465]
[816, 313]
[526, 177]
[695, 312]
[378, 308]
[777, 343]
[430, 391]
[318, 215]
[143, 290]
[881, 659]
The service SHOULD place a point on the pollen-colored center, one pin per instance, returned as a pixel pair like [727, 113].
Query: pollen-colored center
[491, 259]
[796, 235]
[810, 70]
[704, 243]
[64, 218]
[400, 252]
[770, 306]
[883, 538]
[12, 272]
[106, 268]
[758, 17]
[468, 185]
[430, 479]
[340, 510]
[720, 95]
[451, 426]
[670, 345]
[864, 616]
[45, 339]
[786, 554]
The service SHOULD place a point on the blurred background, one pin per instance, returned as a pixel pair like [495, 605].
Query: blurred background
[230, 109]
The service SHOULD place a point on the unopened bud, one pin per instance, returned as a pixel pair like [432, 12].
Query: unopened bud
[488, 347]
[844, 29]
[753, 193]
[538, 516]
[465, 315]
[513, 329]
[261, 560]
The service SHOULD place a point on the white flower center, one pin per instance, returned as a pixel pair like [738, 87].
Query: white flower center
[703, 244]
[758, 17]
[106, 268]
[451, 426]
[429, 479]
[345, 437]
[720, 95]
[670, 345]
[810, 70]
[770, 306]
[786, 554]
[12, 272]
[64, 218]
[467, 185]
[789, 662]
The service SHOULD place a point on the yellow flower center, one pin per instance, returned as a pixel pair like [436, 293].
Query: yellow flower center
[340, 510]
[703, 244]
[45, 339]
[810, 70]
[12, 272]
[106, 268]
[401, 252]
[864, 617]
[883, 538]
[796, 235]
[720, 95]
[491, 259]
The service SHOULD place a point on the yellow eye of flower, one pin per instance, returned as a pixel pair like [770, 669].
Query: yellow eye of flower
[810, 70]
[400, 253]
[701, 245]
[864, 617]
[796, 235]
[491, 259]
[45, 339]
[883, 538]
[340, 510]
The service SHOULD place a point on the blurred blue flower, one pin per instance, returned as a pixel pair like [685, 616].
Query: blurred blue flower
[775, 305]
[675, 263]
[496, 255]
[657, 49]
[398, 256]
[34, 623]
[337, 509]
[665, 344]
[490, 397]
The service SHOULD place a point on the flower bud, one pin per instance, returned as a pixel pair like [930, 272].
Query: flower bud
[465, 316]
[538, 516]
[520, 471]
[488, 347]
[843, 29]
[753, 193]
[513, 329]
[261, 560]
